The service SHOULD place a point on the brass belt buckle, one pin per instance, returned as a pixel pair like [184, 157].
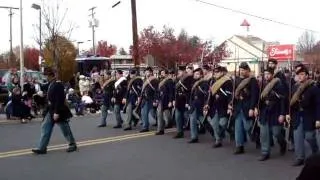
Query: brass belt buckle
[267, 102]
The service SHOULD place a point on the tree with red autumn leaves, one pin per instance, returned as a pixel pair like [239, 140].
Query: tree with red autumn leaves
[104, 49]
[168, 49]
[31, 58]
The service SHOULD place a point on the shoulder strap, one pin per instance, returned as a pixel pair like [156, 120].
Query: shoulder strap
[269, 87]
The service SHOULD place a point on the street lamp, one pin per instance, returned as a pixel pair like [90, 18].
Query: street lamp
[78, 44]
[38, 7]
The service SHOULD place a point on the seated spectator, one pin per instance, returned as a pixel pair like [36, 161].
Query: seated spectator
[19, 108]
[88, 102]
[29, 90]
[75, 101]
[98, 98]
[13, 83]
[84, 85]
[39, 102]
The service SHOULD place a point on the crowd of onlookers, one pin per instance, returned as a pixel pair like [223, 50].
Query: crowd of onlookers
[83, 93]
[20, 104]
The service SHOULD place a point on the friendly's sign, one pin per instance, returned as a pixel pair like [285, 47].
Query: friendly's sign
[281, 52]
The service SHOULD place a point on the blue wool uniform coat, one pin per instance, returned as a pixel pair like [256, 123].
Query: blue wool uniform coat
[165, 94]
[308, 108]
[273, 105]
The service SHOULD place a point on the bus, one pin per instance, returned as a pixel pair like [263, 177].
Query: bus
[85, 64]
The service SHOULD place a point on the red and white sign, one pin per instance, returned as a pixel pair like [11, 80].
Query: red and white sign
[282, 52]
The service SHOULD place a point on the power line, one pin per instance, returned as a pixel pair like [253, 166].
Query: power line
[256, 16]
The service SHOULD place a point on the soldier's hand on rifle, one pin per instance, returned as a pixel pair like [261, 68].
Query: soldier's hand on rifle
[124, 101]
[281, 119]
[217, 96]
[113, 100]
[55, 117]
[229, 111]
[206, 107]
[155, 104]
[205, 112]
[288, 119]
[187, 106]
[173, 103]
[318, 124]
[256, 112]
[251, 113]
[170, 104]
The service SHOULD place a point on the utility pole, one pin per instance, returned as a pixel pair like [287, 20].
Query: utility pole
[93, 24]
[10, 62]
[11, 49]
[135, 35]
[21, 48]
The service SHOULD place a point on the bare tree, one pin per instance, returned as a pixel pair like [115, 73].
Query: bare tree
[55, 25]
[306, 43]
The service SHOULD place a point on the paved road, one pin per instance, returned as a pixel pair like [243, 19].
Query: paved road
[119, 155]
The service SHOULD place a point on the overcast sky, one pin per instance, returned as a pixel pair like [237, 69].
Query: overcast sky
[207, 22]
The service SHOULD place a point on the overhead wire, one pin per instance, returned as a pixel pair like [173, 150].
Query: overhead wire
[255, 16]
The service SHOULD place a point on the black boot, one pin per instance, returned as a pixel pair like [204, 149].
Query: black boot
[264, 157]
[102, 125]
[179, 135]
[72, 148]
[239, 150]
[192, 141]
[39, 151]
[283, 148]
[127, 129]
[217, 145]
[160, 133]
[144, 130]
[117, 126]
[298, 162]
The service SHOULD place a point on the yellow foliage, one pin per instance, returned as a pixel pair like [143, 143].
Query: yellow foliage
[65, 56]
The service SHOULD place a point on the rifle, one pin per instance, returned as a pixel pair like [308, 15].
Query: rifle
[231, 119]
[137, 111]
[288, 123]
[255, 131]
[204, 120]
[128, 90]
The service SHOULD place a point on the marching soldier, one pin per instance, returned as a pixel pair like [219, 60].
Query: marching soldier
[147, 98]
[108, 88]
[220, 97]
[189, 70]
[246, 100]
[57, 113]
[272, 64]
[120, 89]
[207, 73]
[199, 93]
[305, 114]
[165, 97]
[133, 92]
[272, 114]
[182, 92]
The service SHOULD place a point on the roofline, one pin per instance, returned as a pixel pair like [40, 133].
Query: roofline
[241, 38]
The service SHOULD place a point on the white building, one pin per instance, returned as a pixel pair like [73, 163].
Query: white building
[250, 49]
[124, 62]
